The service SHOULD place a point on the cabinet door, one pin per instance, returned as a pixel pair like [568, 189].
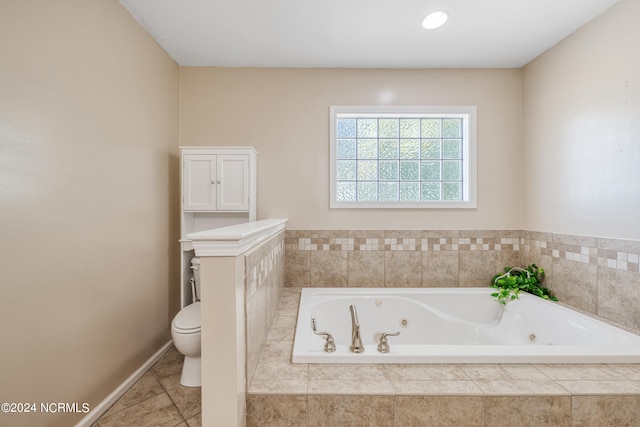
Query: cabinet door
[199, 182]
[233, 182]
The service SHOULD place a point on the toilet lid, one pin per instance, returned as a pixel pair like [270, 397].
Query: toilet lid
[188, 319]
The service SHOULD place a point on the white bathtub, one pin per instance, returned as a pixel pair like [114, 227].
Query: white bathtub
[454, 325]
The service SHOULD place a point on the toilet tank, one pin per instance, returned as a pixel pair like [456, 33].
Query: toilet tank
[195, 267]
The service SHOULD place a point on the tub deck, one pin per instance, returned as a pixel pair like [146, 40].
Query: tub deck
[284, 393]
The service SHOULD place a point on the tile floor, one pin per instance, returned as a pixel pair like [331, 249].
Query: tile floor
[157, 399]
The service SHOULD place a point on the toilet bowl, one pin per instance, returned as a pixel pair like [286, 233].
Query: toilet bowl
[185, 331]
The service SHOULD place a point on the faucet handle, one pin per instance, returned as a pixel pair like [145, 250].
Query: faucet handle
[383, 345]
[329, 345]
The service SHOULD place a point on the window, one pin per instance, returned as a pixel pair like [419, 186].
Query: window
[403, 157]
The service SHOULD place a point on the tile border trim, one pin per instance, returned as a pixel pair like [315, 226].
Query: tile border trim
[616, 254]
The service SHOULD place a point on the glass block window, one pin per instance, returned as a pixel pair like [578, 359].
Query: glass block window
[403, 157]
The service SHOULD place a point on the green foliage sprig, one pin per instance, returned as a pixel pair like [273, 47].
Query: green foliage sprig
[517, 279]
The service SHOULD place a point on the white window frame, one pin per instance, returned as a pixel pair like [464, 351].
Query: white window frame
[469, 155]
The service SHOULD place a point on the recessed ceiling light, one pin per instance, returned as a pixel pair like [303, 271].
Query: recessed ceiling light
[435, 20]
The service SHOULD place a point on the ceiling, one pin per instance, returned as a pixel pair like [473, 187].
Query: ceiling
[360, 33]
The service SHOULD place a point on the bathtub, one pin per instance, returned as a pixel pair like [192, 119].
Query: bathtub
[454, 325]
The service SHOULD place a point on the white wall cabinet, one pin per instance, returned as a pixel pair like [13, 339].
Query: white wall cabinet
[216, 182]
[218, 189]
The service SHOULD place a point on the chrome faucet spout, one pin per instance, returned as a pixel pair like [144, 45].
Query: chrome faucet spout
[356, 342]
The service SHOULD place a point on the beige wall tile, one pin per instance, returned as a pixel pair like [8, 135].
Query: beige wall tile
[297, 268]
[532, 411]
[366, 269]
[256, 324]
[478, 267]
[439, 269]
[329, 268]
[598, 411]
[436, 411]
[575, 240]
[618, 296]
[276, 410]
[267, 264]
[469, 258]
[575, 283]
[353, 411]
[402, 269]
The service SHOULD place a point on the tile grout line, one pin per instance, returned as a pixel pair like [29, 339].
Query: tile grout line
[172, 401]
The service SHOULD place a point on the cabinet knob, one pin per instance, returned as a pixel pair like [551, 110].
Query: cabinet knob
[212, 181]
[219, 182]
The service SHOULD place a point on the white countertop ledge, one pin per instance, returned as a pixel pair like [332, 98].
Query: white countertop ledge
[236, 239]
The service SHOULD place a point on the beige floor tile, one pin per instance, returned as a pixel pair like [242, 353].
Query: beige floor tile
[629, 372]
[275, 386]
[195, 421]
[275, 364]
[282, 329]
[147, 386]
[601, 387]
[187, 399]
[425, 372]
[156, 411]
[277, 351]
[346, 371]
[580, 372]
[436, 387]
[521, 387]
[351, 387]
[170, 364]
[502, 372]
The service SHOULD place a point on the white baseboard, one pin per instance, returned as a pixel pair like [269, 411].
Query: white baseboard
[95, 413]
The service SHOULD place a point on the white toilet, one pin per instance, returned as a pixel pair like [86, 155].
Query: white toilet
[185, 331]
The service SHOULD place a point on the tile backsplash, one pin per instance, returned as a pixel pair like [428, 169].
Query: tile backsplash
[597, 275]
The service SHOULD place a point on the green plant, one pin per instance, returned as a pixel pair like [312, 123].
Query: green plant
[517, 279]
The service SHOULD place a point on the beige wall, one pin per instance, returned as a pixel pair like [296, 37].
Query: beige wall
[88, 201]
[284, 113]
[582, 132]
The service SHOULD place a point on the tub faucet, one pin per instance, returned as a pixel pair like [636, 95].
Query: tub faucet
[330, 344]
[356, 341]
